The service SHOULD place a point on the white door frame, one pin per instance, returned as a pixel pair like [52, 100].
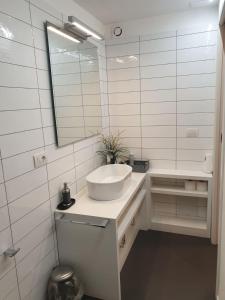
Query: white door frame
[220, 175]
[217, 143]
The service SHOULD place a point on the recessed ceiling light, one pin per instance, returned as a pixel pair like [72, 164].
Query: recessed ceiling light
[61, 33]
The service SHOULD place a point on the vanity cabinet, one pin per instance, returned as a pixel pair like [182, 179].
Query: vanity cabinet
[128, 226]
[95, 237]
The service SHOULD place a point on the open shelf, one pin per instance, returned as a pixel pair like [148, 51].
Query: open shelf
[183, 222]
[179, 191]
[180, 225]
[175, 208]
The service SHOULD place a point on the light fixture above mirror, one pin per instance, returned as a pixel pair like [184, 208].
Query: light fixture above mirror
[61, 32]
[84, 28]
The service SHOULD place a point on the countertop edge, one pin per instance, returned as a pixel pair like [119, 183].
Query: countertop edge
[121, 203]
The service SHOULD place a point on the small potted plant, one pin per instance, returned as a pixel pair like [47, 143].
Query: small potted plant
[113, 151]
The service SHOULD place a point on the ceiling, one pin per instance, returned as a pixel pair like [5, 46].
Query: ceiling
[112, 11]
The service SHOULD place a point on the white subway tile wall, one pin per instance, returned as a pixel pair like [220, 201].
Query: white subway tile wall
[153, 88]
[160, 86]
[28, 196]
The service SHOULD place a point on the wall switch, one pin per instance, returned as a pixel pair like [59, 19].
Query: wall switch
[40, 159]
[192, 132]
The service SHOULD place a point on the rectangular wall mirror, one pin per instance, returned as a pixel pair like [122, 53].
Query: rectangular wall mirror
[74, 69]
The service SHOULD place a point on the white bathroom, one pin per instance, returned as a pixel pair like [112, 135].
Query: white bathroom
[112, 150]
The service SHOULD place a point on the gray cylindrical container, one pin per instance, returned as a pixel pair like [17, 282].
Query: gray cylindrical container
[63, 284]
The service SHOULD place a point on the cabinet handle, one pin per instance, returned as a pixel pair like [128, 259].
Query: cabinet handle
[123, 241]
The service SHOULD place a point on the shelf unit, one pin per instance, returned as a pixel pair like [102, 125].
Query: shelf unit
[175, 209]
[167, 190]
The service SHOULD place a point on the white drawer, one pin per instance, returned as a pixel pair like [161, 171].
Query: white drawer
[127, 239]
[126, 219]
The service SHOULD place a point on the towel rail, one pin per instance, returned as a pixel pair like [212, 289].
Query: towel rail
[102, 224]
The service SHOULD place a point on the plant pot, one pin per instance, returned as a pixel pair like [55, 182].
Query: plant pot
[113, 160]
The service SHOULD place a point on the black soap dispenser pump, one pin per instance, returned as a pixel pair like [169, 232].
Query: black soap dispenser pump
[67, 201]
[66, 193]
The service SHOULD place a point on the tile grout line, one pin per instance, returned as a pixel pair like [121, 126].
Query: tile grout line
[160, 77]
[176, 101]
[82, 97]
[166, 89]
[140, 95]
[163, 51]
[28, 213]
[37, 283]
[10, 226]
[42, 123]
[159, 38]
[107, 76]
[28, 253]
[161, 64]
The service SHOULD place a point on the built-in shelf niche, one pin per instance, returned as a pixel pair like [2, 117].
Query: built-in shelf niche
[176, 209]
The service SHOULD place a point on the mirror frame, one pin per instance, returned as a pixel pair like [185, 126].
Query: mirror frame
[51, 82]
[46, 24]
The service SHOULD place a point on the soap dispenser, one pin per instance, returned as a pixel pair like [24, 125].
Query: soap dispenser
[67, 201]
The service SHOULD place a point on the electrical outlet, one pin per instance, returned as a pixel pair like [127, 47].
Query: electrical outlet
[40, 159]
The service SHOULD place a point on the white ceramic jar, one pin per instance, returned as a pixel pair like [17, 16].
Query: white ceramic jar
[202, 186]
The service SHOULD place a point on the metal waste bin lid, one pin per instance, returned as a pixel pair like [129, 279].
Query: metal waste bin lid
[62, 273]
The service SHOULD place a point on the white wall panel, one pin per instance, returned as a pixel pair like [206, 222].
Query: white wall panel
[158, 58]
[123, 74]
[121, 62]
[158, 83]
[122, 98]
[204, 93]
[177, 92]
[122, 50]
[195, 54]
[197, 67]
[164, 44]
[158, 95]
[26, 122]
[124, 109]
[158, 71]
[123, 86]
[197, 40]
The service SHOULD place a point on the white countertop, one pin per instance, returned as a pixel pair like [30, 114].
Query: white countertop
[87, 206]
[105, 209]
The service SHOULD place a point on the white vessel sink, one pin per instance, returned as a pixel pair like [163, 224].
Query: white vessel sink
[108, 182]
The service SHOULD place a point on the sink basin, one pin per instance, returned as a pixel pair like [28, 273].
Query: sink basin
[108, 182]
